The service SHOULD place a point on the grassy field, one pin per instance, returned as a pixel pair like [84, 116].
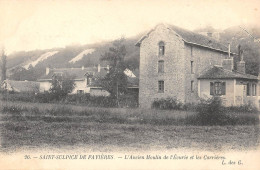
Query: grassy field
[35, 126]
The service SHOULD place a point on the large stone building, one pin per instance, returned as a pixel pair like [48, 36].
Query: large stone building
[173, 60]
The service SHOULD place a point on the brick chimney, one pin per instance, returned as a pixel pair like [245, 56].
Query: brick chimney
[47, 70]
[228, 64]
[241, 65]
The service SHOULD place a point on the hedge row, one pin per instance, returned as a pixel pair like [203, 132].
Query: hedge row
[130, 100]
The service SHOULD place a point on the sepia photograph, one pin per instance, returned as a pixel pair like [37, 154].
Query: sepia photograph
[141, 84]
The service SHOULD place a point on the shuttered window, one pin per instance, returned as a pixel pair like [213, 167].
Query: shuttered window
[211, 88]
[248, 89]
[223, 88]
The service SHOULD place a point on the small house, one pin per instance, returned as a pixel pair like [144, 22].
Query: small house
[20, 86]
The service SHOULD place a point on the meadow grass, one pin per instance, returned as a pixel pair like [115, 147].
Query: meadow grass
[32, 125]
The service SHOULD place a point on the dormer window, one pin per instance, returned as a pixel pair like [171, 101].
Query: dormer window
[161, 48]
[89, 79]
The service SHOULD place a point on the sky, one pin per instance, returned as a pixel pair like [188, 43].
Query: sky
[36, 24]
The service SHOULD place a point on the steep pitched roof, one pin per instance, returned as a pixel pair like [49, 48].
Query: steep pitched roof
[192, 38]
[219, 73]
[23, 86]
[78, 73]
[81, 74]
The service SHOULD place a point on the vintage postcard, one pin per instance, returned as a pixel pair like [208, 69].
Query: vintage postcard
[141, 84]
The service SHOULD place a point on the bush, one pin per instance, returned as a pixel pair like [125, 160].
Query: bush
[167, 104]
[248, 108]
[211, 112]
[127, 100]
[13, 96]
[172, 104]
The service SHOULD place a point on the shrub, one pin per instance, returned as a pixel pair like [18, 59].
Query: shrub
[211, 112]
[128, 100]
[13, 96]
[167, 104]
[172, 104]
[248, 108]
[61, 86]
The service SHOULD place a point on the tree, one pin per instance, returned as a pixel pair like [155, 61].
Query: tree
[61, 86]
[115, 81]
[3, 65]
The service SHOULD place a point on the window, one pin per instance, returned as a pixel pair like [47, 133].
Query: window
[191, 67]
[161, 86]
[192, 86]
[253, 89]
[248, 89]
[217, 88]
[80, 91]
[191, 51]
[161, 48]
[160, 66]
[89, 78]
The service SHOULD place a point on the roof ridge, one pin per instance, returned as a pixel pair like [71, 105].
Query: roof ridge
[220, 73]
[192, 38]
[20, 81]
[244, 73]
[207, 37]
[71, 68]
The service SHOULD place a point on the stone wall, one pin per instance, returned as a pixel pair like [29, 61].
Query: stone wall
[227, 99]
[177, 74]
[174, 62]
[203, 59]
